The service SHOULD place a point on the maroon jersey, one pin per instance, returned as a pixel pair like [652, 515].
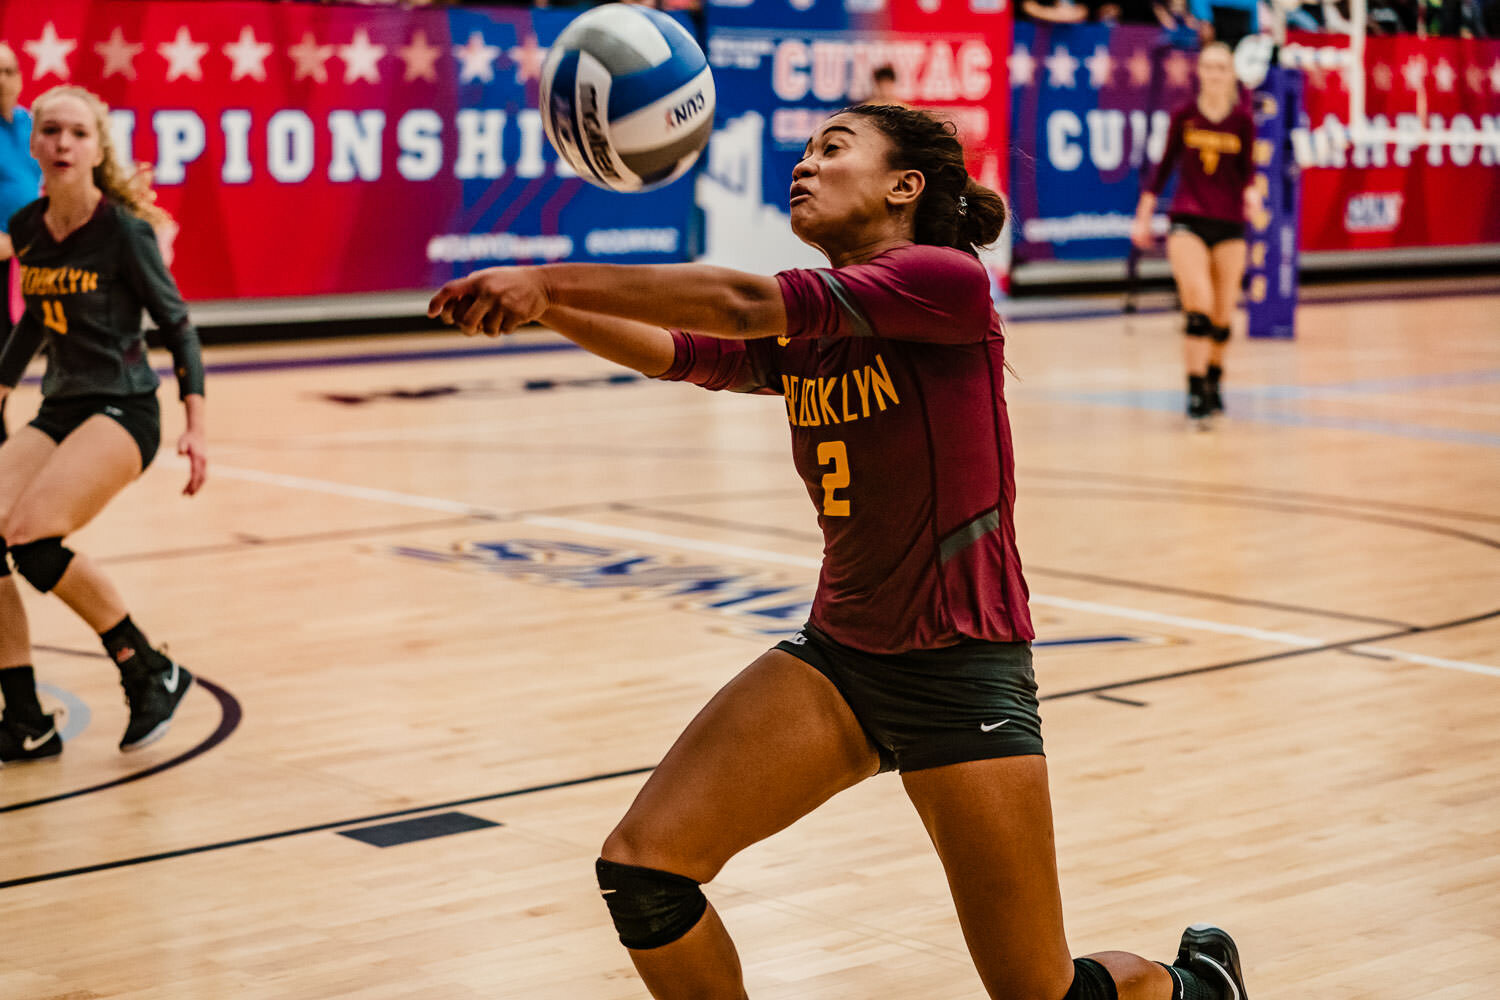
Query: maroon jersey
[893, 376]
[1217, 163]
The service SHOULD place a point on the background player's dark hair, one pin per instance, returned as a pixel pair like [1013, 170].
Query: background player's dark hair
[885, 72]
[923, 142]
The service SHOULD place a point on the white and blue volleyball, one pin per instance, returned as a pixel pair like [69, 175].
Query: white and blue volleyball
[627, 98]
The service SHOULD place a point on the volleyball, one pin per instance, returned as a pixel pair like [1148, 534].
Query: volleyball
[627, 98]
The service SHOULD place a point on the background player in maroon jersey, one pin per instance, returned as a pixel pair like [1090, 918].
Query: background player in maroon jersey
[1211, 143]
[916, 656]
[89, 264]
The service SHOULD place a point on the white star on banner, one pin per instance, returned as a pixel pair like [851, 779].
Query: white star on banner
[1444, 76]
[1495, 77]
[248, 56]
[1139, 65]
[1061, 66]
[1022, 67]
[1414, 71]
[118, 55]
[310, 57]
[477, 58]
[1179, 69]
[1100, 65]
[1475, 77]
[360, 57]
[50, 53]
[1382, 76]
[528, 57]
[183, 56]
[420, 57]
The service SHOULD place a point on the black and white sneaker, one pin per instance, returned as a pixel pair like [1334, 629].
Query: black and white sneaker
[24, 742]
[1210, 952]
[153, 693]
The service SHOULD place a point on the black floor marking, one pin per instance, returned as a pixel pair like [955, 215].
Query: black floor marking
[1121, 701]
[408, 831]
[229, 720]
[88, 654]
[315, 828]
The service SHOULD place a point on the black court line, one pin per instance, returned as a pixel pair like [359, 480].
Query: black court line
[87, 654]
[1160, 482]
[229, 720]
[1121, 701]
[315, 828]
[1030, 569]
[257, 541]
[1341, 646]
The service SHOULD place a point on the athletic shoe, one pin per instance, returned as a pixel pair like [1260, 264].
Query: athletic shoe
[153, 693]
[1210, 952]
[24, 742]
[1212, 399]
[1198, 412]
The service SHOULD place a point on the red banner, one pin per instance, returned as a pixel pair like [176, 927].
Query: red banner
[1400, 192]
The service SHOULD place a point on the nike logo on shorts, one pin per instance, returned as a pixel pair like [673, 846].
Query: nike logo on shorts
[991, 727]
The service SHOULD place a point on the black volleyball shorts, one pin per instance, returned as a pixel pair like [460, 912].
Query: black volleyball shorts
[930, 708]
[140, 415]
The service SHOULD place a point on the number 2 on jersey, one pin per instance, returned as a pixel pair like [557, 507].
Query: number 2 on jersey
[836, 479]
[53, 316]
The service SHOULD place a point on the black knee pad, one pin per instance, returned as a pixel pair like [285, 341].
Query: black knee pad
[650, 908]
[4, 551]
[1220, 334]
[1197, 325]
[42, 562]
[1091, 981]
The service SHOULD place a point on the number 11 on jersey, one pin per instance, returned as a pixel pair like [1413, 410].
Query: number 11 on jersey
[835, 479]
[53, 316]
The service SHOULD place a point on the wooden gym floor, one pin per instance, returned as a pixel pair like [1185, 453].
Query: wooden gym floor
[420, 584]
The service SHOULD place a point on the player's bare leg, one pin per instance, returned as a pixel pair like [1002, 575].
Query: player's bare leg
[776, 742]
[1190, 261]
[1227, 269]
[991, 822]
[22, 454]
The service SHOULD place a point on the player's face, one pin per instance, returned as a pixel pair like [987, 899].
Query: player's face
[840, 186]
[1216, 73]
[65, 141]
[10, 79]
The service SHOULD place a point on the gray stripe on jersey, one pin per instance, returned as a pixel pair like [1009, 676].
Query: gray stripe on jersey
[847, 303]
[968, 535]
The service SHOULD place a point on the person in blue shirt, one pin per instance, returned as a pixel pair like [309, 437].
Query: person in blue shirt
[20, 178]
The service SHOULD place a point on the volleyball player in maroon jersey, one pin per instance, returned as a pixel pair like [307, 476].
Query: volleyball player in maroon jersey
[1211, 144]
[917, 654]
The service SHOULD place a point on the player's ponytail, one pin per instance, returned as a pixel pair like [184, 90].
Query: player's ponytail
[109, 176]
[955, 210]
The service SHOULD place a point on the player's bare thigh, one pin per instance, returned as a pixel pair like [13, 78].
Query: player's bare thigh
[75, 482]
[1190, 261]
[775, 743]
[1227, 267]
[991, 822]
[21, 457]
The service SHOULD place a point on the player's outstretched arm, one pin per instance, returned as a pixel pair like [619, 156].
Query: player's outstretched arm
[716, 301]
[645, 348]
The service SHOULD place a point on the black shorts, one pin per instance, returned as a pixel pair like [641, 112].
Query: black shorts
[933, 707]
[1211, 231]
[140, 415]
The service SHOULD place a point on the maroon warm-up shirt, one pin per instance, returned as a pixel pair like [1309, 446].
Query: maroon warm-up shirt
[1217, 163]
[893, 376]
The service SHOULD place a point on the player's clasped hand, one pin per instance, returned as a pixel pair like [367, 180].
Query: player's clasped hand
[494, 301]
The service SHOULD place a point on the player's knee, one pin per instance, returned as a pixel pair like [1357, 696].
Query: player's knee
[650, 908]
[1220, 334]
[1197, 324]
[43, 562]
[1091, 981]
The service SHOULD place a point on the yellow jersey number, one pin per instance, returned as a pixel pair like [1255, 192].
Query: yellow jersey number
[53, 316]
[836, 478]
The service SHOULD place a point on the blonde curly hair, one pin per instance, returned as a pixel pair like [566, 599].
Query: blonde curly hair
[133, 192]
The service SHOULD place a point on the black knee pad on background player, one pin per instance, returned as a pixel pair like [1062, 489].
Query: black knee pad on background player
[4, 559]
[1197, 325]
[42, 562]
[1219, 334]
[650, 908]
[1091, 981]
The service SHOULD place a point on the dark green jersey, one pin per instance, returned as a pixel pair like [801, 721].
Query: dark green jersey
[84, 298]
